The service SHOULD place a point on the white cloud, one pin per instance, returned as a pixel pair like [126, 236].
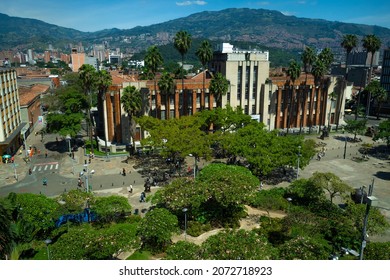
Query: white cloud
[189, 3]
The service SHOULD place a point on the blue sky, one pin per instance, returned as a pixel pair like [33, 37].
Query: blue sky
[93, 15]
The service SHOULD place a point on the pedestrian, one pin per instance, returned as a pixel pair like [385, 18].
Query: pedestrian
[131, 189]
[261, 185]
[124, 172]
[45, 154]
[319, 156]
[29, 171]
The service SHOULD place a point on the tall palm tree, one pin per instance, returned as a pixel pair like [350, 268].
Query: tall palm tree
[308, 58]
[372, 44]
[327, 57]
[182, 43]
[104, 81]
[166, 85]
[205, 54]
[218, 87]
[153, 60]
[132, 103]
[318, 72]
[293, 71]
[87, 76]
[349, 43]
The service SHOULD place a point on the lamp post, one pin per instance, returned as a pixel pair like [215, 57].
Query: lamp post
[194, 164]
[68, 138]
[299, 155]
[47, 242]
[86, 177]
[345, 146]
[372, 201]
[185, 223]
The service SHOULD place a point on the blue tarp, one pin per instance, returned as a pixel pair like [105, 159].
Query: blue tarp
[85, 217]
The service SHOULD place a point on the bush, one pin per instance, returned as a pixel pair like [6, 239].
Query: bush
[195, 228]
[269, 199]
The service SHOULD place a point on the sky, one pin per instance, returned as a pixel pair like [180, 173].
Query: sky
[94, 15]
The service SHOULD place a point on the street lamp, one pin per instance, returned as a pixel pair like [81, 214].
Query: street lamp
[185, 223]
[68, 138]
[371, 201]
[47, 242]
[299, 155]
[194, 164]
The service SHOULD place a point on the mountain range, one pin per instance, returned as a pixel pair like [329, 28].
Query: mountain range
[259, 27]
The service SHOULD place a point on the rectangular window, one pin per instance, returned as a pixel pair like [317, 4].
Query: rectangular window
[253, 109]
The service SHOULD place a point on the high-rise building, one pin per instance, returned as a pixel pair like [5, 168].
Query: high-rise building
[10, 119]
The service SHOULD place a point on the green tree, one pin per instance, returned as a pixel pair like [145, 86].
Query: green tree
[34, 216]
[378, 93]
[327, 57]
[204, 54]
[87, 76]
[166, 85]
[183, 250]
[156, 228]
[177, 137]
[331, 183]
[153, 60]
[132, 103]
[6, 236]
[305, 248]
[85, 242]
[111, 208]
[308, 58]
[182, 43]
[356, 127]
[238, 245]
[67, 117]
[383, 132]
[293, 71]
[371, 44]
[74, 201]
[349, 42]
[377, 251]
[305, 192]
[218, 87]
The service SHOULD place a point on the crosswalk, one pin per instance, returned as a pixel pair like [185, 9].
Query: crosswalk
[49, 166]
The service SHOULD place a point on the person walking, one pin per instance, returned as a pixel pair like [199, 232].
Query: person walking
[124, 172]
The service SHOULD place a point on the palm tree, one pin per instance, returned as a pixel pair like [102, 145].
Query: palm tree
[166, 85]
[104, 80]
[372, 44]
[308, 58]
[327, 57]
[318, 72]
[87, 76]
[182, 43]
[132, 103]
[153, 60]
[380, 97]
[218, 87]
[205, 54]
[349, 43]
[293, 71]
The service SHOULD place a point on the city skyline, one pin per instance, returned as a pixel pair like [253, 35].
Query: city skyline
[95, 15]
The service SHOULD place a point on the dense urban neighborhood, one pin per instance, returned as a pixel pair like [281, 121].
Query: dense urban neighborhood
[195, 148]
